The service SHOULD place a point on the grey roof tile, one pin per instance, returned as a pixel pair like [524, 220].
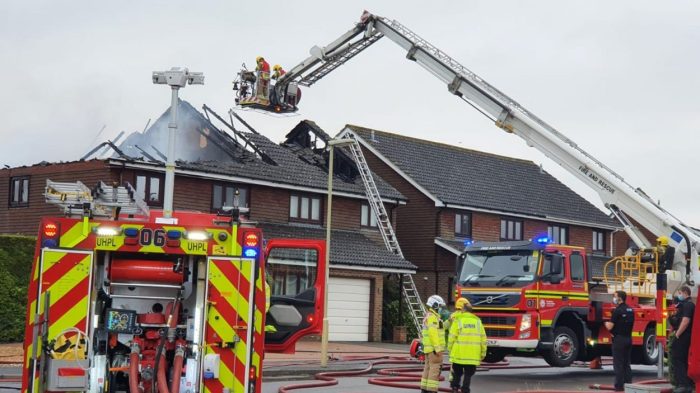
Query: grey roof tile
[350, 248]
[482, 180]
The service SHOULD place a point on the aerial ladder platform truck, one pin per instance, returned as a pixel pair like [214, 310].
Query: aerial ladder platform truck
[630, 205]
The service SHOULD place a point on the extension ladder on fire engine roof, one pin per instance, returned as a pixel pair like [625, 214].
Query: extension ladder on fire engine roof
[408, 287]
[76, 199]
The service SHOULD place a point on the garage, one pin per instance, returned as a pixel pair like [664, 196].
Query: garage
[348, 309]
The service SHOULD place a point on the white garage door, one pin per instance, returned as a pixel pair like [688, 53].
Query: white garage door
[348, 309]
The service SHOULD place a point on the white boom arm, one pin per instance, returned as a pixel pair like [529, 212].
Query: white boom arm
[618, 195]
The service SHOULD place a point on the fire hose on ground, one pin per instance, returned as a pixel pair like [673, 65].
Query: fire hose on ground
[409, 377]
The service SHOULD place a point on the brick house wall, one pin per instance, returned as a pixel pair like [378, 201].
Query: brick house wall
[267, 204]
[25, 219]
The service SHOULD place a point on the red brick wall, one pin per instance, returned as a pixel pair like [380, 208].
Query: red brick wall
[25, 220]
[416, 222]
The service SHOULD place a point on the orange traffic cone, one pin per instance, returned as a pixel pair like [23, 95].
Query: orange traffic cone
[595, 364]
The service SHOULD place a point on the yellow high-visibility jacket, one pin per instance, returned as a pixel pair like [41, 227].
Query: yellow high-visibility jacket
[467, 339]
[433, 333]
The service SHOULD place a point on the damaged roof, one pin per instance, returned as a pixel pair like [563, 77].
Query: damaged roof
[204, 147]
[480, 180]
[348, 248]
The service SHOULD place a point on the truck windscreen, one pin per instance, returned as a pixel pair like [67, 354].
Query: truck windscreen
[499, 268]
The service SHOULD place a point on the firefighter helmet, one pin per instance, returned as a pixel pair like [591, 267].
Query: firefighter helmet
[662, 241]
[462, 303]
[276, 67]
[435, 302]
[257, 59]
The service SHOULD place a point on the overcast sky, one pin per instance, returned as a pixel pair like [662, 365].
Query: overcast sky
[619, 78]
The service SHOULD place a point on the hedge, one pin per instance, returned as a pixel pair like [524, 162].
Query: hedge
[16, 254]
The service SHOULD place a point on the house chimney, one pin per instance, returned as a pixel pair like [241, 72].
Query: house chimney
[372, 136]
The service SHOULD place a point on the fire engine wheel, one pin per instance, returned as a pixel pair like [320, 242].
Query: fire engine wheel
[494, 356]
[648, 353]
[565, 349]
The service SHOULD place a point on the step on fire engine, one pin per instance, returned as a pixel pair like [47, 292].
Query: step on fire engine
[123, 299]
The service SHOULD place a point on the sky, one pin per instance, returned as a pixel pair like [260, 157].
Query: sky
[619, 78]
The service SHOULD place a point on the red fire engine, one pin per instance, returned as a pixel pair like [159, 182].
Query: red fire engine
[538, 298]
[123, 299]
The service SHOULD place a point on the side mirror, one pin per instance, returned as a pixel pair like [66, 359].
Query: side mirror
[459, 262]
[556, 265]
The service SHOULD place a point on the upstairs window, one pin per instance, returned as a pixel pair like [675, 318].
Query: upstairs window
[19, 191]
[511, 229]
[150, 188]
[557, 234]
[305, 208]
[598, 242]
[224, 195]
[463, 224]
[368, 218]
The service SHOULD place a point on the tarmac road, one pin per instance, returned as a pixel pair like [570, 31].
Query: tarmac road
[492, 381]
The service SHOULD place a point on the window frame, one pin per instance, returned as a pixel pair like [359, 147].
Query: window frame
[579, 259]
[603, 235]
[369, 217]
[147, 191]
[507, 221]
[224, 186]
[22, 180]
[459, 218]
[560, 227]
[311, 197]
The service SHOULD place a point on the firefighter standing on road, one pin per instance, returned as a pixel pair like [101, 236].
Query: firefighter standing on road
[682, 323]
[433, 345]
[466, 344]
[620, 326]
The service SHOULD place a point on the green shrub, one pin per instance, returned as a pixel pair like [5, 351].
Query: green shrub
[390, 310]
[16, 254]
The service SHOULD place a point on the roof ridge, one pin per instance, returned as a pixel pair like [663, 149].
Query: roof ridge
[440, 144]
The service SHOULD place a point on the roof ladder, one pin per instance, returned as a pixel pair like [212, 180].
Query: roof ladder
[76, 199]
[408, 287]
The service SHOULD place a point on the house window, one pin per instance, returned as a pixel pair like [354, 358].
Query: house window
[19, 191]
[598, 242]
[463, 224]
[150, 188]
[557, 234]
[368, 219]
[305, 208]
[511, 229]
[452, 290]
[223, 195]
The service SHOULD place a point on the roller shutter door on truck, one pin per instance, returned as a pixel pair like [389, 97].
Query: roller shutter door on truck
[348, 309]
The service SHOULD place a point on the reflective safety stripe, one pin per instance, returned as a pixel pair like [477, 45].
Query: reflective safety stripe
[229, 326]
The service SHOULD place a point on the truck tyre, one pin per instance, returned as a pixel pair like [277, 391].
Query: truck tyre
[647, 353]
[494, 356]
[565, 348]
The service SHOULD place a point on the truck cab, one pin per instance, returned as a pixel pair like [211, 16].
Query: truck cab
[536, 298]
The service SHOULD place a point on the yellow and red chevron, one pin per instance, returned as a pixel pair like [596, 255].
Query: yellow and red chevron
[65, 275]
[231, 315]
